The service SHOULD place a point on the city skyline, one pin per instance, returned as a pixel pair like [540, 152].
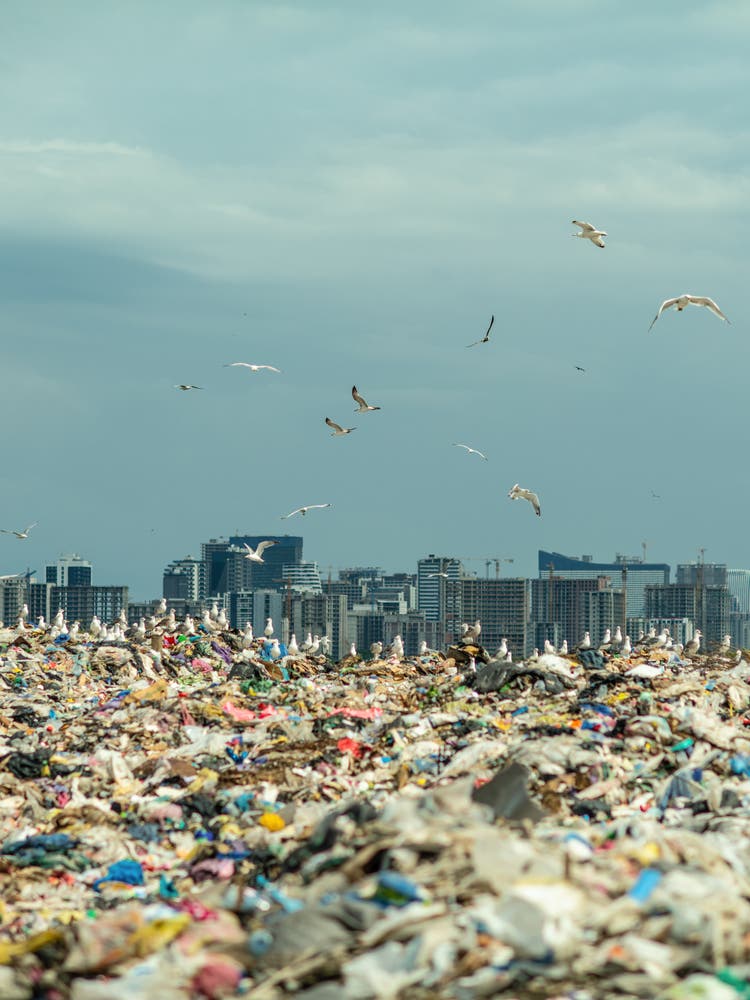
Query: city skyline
[349, 196]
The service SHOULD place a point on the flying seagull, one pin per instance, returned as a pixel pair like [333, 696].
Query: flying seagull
[589, 232]
[486, 337]
[304, 510]
[256, 555]
[19, 534]
[437, 574]
[186, 387]
[471, 451]
[338, 430]
[253, 368]
[579, 369]
[682, 301]
[517, 492]
[363, 406]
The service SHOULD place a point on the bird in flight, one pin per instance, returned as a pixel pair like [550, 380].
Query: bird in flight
[363, 406]
[253, 368]
[338, 430]
[579, 369]
[19, 534]
[186, 387]
[486, 337]
[471, 451]
[589, 232]
[655, 496]
[256, 555]
[682, 301]
[304, 510]
[518, 493]
[437, 574]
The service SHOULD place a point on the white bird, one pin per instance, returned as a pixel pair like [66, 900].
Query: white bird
[253, 368]
[268, 630]
[338, 430]
[692, 647]
[564, 647]
[313, 650]
[222, 619]
[486, 337]
[19, 534]
[471, 451]
[59, 618]
[423, 648]
[304, 510]
[96, 626]
[186, 387]
[214, 611]
[275, 651]
[293, 648]
[376, 648]
[517, 492]
[445, 575]
[364, 407]
[256, 555]
[726, 642]
[502, 649]
[307, 644]
[161, 607]
[645, 670]
[325, 645]
[685, 300]
[589, 232]
[73, 630]
[24, 612]
[548, 647]
[352, 650]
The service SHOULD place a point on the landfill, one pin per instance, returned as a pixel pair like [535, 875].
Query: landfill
[211, 815]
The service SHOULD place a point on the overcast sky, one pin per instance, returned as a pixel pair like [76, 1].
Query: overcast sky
[348, 192]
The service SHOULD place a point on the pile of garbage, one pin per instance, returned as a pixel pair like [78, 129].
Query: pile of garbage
[186, 815]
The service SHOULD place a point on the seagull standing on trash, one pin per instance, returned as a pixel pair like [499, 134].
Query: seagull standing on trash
[589, 232]
[685, 300]
[256, 555]
[694, 644]
[293, 648]
[363, 406]
[268, 630]
[518, 493]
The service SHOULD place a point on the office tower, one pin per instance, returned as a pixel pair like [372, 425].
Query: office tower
[82, 603]
[320, 615]
[502, 606]
[185, 579]
[707, 574]
[302, 576]
[708, 607]
[431, 589]
[69, 571]
[605, 609]
[559, 608]
[630, 572]
[738, 584]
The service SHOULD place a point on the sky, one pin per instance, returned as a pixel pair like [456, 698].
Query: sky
[348, 192]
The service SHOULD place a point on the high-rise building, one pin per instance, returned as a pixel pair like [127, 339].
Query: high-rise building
[302, 576]
[320, 615]
[185, 579]
[738, 583]
[559, 608]
[708, 607]
[706, 574]
[630, 572]
[501, 605]
[82, 603]
[69, 571]
[433, 572]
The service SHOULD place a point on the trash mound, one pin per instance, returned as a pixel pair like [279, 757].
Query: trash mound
[207, 816]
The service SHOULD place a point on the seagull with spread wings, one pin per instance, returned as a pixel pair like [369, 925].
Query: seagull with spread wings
[338, 430]
[518, 493]
[256, 555]
[685, 300]
[363, 406]
[304, 510]
[589, 232]
[252, 368]
[186, 387]
[486, 337]
[19, 534]
[471, 451]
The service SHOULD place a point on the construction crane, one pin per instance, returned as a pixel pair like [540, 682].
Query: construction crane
[488, 561]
